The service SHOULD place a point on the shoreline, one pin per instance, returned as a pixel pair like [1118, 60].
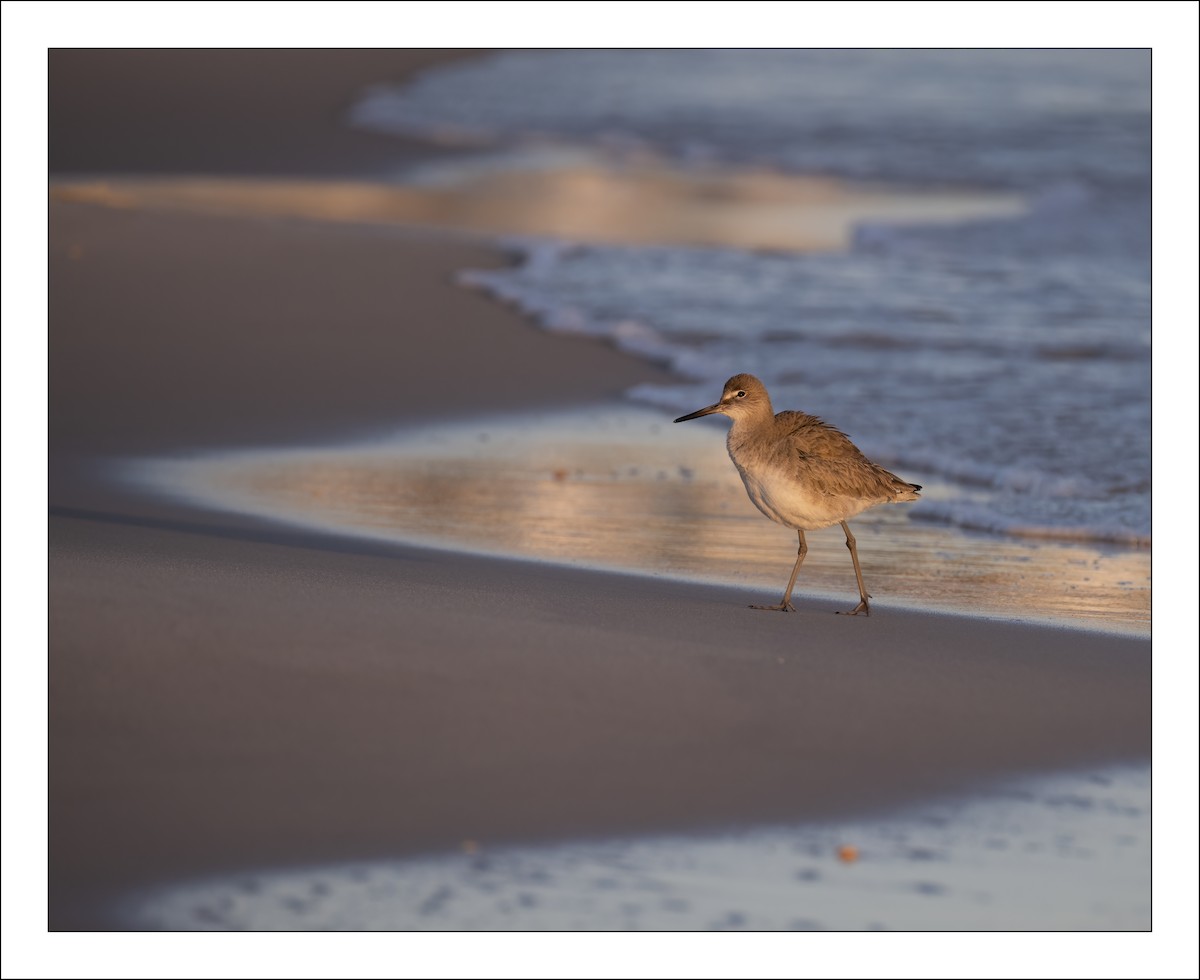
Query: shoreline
[958, 854]
[1114, 596]
[610, 489]
[225, 692]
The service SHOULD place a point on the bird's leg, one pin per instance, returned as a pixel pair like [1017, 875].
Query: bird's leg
[786, 604]
[863, 606]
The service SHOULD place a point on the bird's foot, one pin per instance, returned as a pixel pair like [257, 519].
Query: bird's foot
[782, 607]
[862, 608]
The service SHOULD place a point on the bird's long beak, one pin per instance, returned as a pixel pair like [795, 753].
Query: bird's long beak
[718, 407]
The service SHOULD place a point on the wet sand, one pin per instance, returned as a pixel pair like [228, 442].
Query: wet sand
[616, 486]
[225, 691]
[574, 197]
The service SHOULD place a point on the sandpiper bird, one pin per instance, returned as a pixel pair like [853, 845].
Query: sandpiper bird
[801, 472]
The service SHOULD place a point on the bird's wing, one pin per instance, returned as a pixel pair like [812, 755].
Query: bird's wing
[833, 465]
[811, 436]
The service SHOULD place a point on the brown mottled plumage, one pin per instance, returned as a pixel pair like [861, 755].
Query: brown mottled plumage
[801, 472]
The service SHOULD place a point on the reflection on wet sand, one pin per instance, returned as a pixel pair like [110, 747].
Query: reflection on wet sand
[617, 488]
[579, 197]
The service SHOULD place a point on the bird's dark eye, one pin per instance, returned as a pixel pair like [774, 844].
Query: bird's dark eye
[741, 394]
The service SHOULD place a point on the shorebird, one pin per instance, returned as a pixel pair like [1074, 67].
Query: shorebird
[801, 472]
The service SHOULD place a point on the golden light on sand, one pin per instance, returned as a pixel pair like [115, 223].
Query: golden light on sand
[590, 199]
[623, 491]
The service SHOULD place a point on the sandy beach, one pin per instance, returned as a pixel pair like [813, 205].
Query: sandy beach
[226, 692]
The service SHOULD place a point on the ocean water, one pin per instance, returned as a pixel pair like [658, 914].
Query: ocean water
[1004, 360]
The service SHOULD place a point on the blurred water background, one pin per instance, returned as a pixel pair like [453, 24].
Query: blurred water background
[1003, 361]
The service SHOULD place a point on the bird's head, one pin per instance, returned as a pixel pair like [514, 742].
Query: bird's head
[744, 396]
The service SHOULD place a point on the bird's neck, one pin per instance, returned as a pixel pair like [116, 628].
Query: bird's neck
[746, 426]
[755, 416]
